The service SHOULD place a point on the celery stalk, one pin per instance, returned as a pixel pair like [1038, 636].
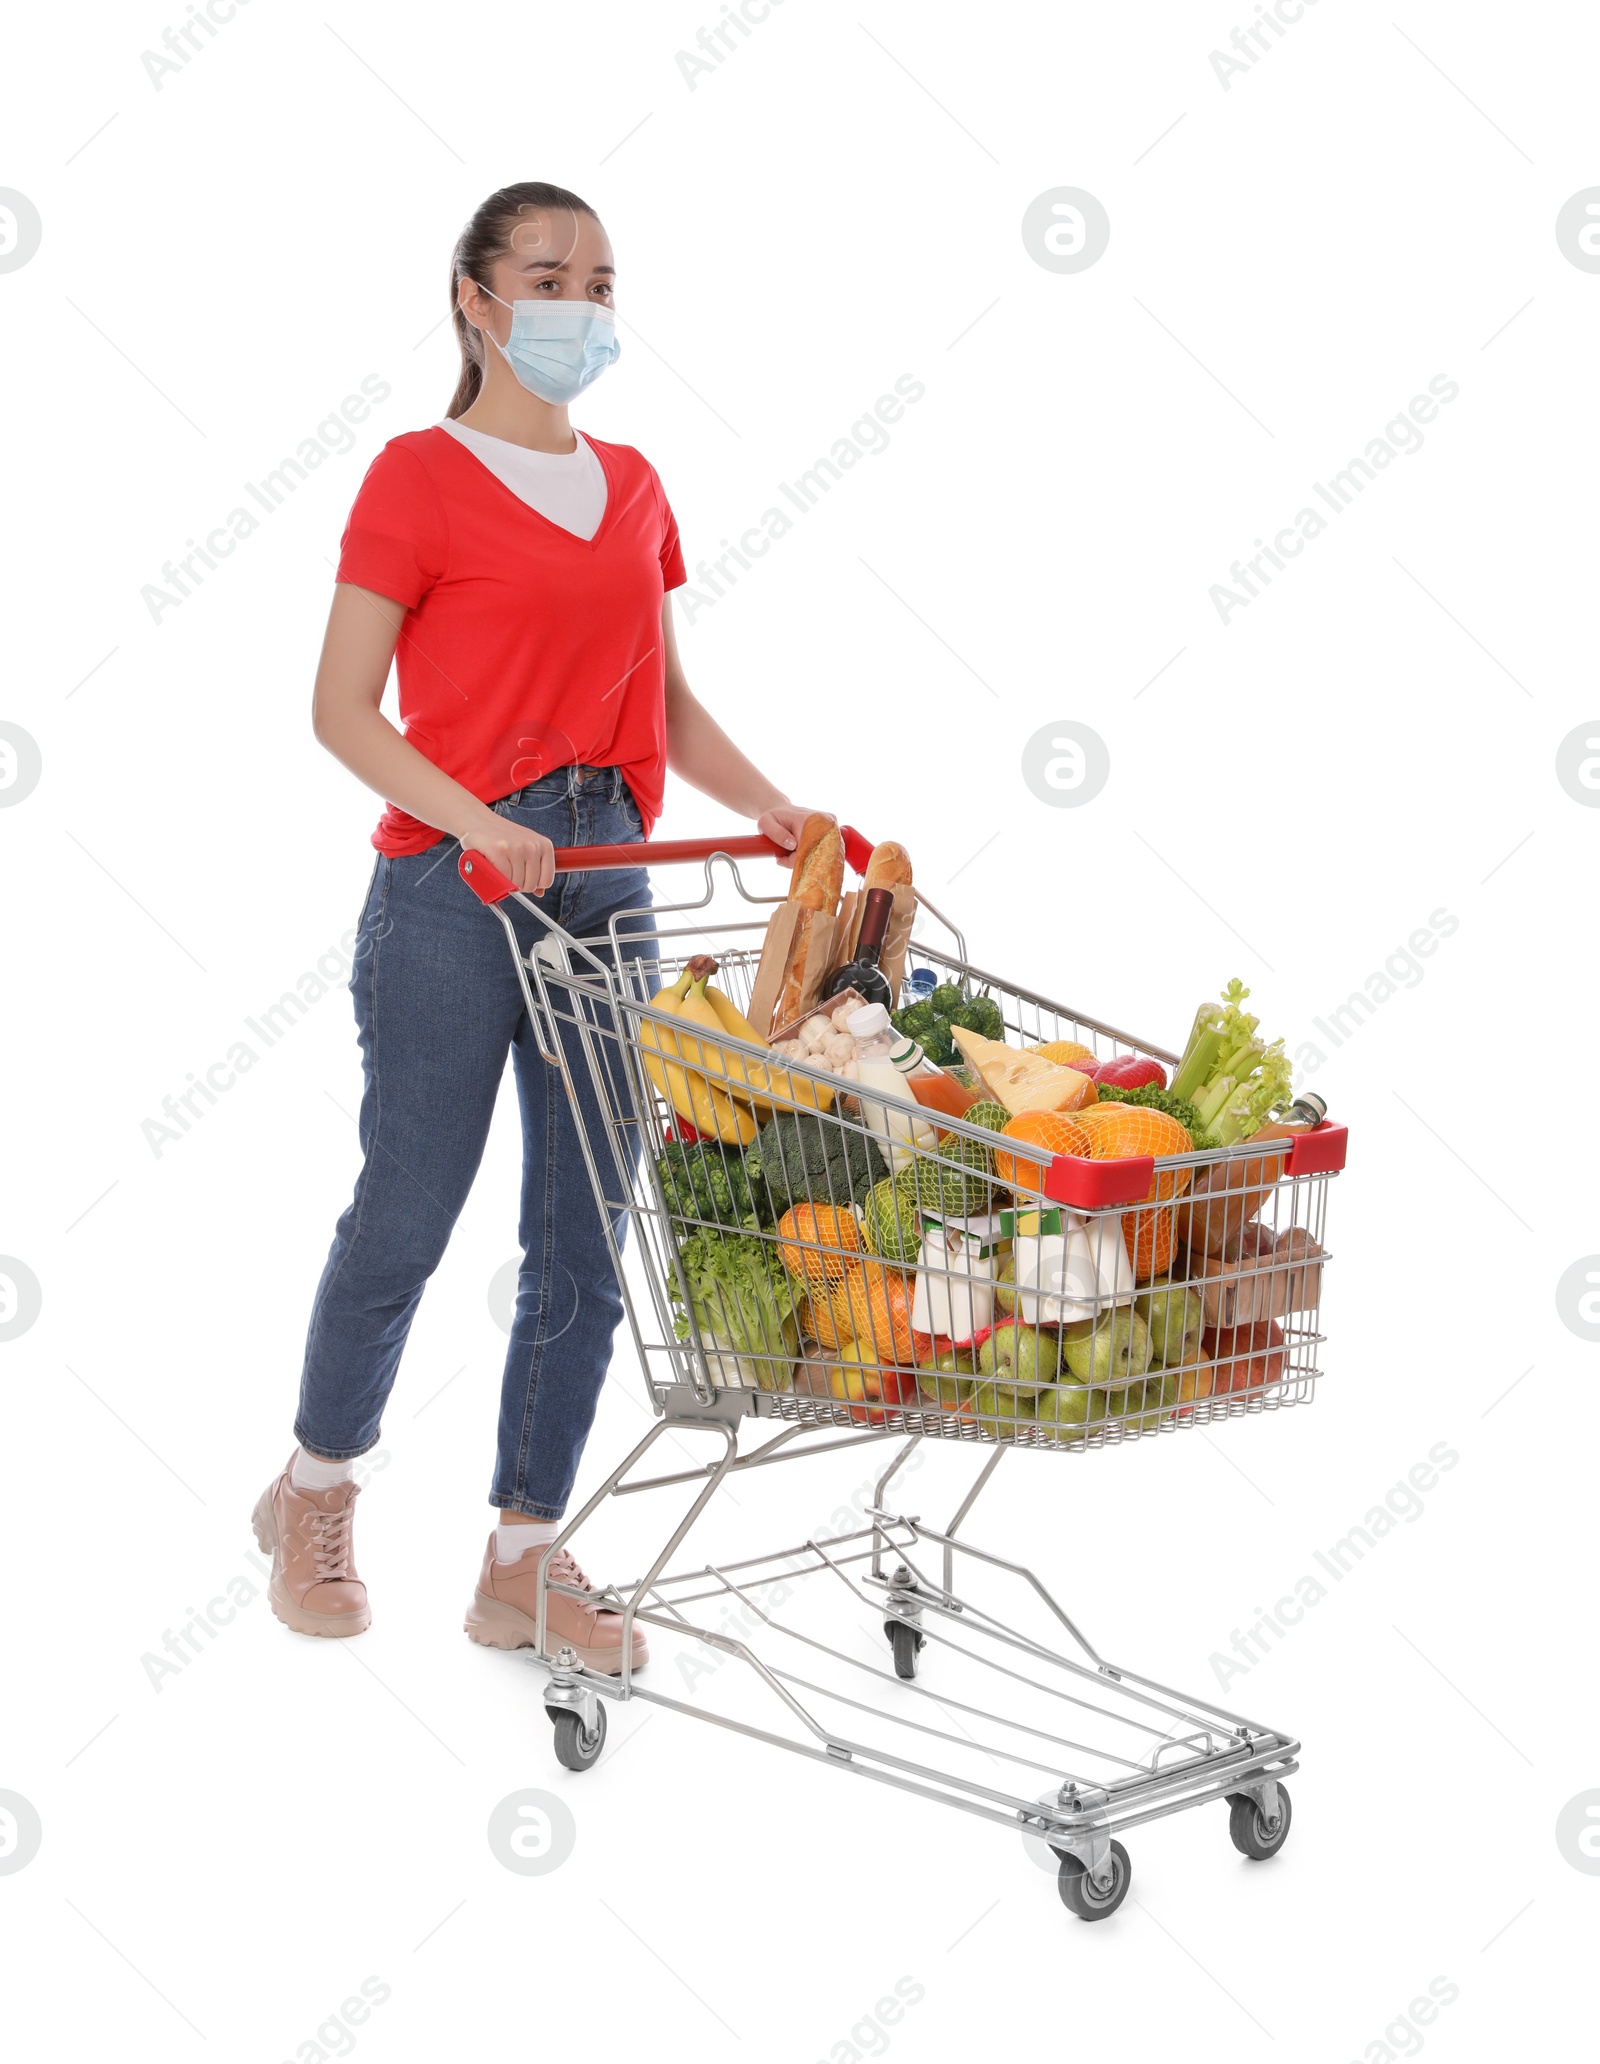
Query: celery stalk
[1198, 1063]
[1242, 1059]
[1205, 1020]
[1211, 1101]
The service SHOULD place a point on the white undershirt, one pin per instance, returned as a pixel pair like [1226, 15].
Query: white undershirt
[568, 488]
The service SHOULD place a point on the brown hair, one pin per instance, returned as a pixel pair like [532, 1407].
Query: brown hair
[488, 237]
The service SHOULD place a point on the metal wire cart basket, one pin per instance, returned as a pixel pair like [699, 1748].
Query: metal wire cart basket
[773, 1282]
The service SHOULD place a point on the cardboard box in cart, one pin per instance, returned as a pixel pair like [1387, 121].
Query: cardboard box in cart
[1266, 1278]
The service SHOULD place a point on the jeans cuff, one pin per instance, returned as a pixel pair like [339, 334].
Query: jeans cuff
[505, 1501]
[336, 1454]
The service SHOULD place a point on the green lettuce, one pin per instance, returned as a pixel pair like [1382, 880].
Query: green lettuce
[743, 1303]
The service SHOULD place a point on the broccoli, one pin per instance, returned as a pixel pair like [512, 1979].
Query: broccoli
[710, 1181]
[929, 1021]
[803, 1155]
[983, 1017]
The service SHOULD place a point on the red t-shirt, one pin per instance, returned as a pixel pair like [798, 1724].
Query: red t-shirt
[524, 648]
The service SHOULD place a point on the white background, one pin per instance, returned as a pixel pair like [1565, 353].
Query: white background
[226, 1856]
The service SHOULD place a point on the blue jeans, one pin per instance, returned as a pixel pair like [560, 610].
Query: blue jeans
[438, 1006]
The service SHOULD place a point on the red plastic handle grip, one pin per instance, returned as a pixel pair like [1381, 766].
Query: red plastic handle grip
[857, 849]
[1319, 1151]
[484, 879]
[1093, 1185]
[489, 885]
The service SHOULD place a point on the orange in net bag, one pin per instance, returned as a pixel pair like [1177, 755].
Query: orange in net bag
[1051, 1131]
[1066, 1053]
[827, 1226]
[1119, 1131]
[879, 1303]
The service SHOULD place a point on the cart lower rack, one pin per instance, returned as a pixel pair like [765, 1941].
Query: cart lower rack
[1143, 1295]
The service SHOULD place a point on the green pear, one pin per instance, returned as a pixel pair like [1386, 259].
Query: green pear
[1020, 1360]
[1160, 1396]
[1144, 1405]
[1006, 1409]
[1005, 1287]
[1109, 1348]
[950, 1384]
[1174, 1317]
[1071, 1406]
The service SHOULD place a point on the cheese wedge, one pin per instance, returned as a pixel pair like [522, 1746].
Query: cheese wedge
[1022, 1081]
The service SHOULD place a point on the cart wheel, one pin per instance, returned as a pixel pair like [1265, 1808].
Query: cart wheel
[1252, 1834]
[576, 1750]
[1086, 1899]
[905, 1641]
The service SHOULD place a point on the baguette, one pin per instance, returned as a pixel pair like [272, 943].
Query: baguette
[817, 875]
[791, 995]
[889, 867]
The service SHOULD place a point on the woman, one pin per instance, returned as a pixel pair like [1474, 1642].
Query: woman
[518, 575]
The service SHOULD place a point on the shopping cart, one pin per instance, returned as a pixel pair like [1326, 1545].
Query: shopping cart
[1085, 1749]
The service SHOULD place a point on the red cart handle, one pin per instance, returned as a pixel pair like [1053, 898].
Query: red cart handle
[489, 885]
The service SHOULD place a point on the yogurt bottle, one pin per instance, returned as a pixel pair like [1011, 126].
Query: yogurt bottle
[954, 1294]
[884, 1058]
[1068, 1266]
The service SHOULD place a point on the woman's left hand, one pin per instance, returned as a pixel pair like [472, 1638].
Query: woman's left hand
[784, 823]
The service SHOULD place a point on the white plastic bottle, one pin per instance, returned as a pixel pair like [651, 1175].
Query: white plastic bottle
[884, 1058]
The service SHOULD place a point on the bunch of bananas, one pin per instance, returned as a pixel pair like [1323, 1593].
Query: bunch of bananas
[723, 1095]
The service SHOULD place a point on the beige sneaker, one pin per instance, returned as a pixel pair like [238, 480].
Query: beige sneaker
[314, 1587]
[502, 1611]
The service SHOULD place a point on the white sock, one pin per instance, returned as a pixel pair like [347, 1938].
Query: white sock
[311, 1473]
[515, 1540]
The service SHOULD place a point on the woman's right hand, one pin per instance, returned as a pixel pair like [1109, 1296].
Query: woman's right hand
[526, 858]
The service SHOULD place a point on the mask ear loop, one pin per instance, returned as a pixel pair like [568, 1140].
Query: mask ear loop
[493, 339]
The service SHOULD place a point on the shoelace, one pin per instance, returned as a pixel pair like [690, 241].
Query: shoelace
[564, 1570]
[330, 1543]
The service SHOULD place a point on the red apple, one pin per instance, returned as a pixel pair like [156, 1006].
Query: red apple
[1246, 1357]
[1132, 1071]
[866, 1388]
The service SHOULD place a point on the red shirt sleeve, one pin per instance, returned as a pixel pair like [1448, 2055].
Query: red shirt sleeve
[395, 537]
[673, 573]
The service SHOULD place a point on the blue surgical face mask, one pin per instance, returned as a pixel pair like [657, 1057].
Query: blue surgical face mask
[557, 348]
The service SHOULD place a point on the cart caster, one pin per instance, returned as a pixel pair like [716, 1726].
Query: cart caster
[575, 1749]
[1080, 1893]
[905, 1641]
[1249, 1829]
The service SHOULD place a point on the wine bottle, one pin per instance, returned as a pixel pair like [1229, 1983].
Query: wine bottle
[863, 973]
